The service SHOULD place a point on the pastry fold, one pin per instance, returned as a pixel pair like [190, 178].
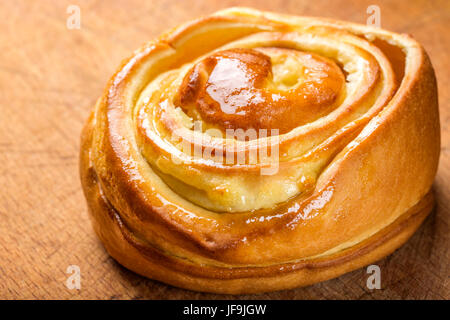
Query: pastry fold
[249, 151]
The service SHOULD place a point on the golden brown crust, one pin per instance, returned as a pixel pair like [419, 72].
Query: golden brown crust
[360, 174]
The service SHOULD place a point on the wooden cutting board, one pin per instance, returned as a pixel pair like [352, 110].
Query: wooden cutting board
[50, 76]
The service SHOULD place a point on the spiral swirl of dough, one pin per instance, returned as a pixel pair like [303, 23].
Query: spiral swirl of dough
[245, 151]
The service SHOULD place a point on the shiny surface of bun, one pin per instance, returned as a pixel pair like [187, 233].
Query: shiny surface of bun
[250, 151]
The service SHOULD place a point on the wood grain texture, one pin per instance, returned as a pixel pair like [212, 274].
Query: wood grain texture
[50, 77]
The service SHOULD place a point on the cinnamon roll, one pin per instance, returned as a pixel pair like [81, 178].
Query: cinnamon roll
[249, 151]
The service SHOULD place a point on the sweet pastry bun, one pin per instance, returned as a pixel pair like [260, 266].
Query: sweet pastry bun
[249, 151]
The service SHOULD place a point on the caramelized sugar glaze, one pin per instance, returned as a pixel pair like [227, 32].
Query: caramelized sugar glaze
[237, 88]
[351, 112]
